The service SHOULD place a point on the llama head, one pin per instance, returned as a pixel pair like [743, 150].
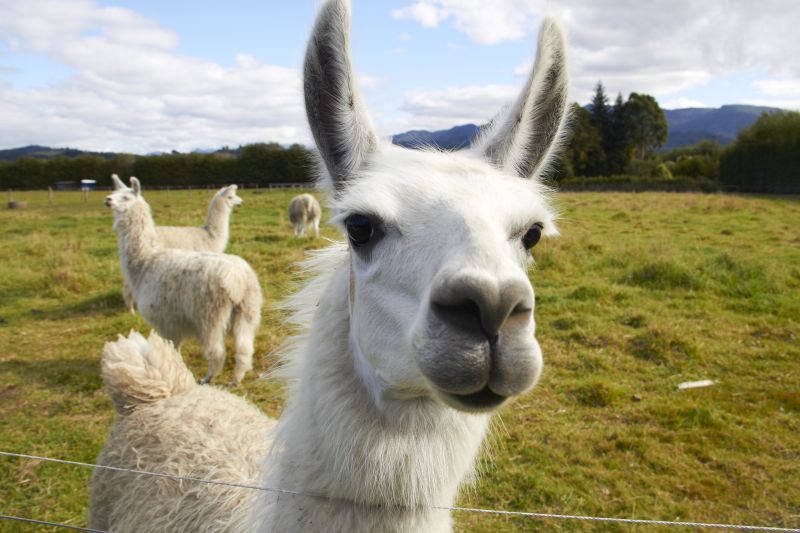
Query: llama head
[440, 303]
[229, 196]
[123, 197]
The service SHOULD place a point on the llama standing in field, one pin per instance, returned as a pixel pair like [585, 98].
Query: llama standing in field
[304, 211]
[211, 237]
[184, 293]
[412, 334]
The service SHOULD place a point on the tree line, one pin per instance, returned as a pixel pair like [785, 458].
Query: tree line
[610, 147]
[254, 164]
[613, 147]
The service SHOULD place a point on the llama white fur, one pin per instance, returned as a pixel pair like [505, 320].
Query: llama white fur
[187, 294]
[211, 237]
[410, 336]
[304, 212]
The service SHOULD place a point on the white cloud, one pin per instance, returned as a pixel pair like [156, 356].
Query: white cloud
[456, 105]
[660, 46]
[424, 12]
[132, 91]
[778, 87]
[681, 103]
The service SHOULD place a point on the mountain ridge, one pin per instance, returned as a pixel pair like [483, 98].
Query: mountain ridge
[687, 126]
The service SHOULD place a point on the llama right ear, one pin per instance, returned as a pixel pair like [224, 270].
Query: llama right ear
[336, 112]
[525, 139]
[136, 186]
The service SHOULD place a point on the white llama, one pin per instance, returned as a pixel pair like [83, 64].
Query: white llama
[211, 237]
[412, 333]
[184, 293]
[304, 211]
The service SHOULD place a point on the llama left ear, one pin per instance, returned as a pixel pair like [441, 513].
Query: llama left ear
[525, 138]
[336, 112]
[136, 186]
[117, 183]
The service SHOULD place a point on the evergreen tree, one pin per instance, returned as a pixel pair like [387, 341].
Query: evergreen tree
[616, 145]
[584, 152]
[645, 124]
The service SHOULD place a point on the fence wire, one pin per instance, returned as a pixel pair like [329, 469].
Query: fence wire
[498, 512]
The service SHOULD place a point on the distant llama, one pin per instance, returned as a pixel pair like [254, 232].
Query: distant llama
[304, 211]
[184, 293]
[211, 237]
[411, 335]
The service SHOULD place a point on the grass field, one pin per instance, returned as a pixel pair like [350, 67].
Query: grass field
[642, 292]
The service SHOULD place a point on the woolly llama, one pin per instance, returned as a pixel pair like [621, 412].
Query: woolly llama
[211, 237]
[412, 333]
[304, 211]
[184, 293]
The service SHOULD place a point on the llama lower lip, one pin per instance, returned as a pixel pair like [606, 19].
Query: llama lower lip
[484, 399]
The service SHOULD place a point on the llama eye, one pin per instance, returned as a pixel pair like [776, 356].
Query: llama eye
[532, 236]
[359, 229]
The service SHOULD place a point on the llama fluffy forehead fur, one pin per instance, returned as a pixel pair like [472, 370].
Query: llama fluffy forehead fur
[401, 180]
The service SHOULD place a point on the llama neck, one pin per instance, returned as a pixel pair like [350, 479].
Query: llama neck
[137, 238]
[218, 219]
[379, 469]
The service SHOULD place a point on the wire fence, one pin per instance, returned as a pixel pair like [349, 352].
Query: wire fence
[497, 512]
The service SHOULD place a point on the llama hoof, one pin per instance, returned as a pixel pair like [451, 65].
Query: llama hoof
[233, 383]
[205, 380]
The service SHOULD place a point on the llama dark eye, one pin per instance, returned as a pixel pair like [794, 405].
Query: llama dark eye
[359, 229]
[532, 236]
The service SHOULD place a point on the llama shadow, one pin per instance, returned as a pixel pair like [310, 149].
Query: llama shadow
[77, 376]
[104, 304]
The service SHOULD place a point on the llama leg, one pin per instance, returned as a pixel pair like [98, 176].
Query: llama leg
[214, 350]
[127, 296]
[244, 332]
[316, 228]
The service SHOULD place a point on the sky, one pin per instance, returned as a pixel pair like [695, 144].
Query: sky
[144, 76]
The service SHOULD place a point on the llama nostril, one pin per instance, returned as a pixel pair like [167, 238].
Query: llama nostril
[465, 315]
[478, 304]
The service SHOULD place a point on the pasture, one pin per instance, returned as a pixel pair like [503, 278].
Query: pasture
[640, 293]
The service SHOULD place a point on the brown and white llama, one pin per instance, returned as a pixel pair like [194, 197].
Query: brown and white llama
[412, 333]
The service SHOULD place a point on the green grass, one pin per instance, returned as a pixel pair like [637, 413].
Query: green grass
[641, 292]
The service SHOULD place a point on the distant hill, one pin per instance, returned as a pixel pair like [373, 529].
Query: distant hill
[686, 126]
[45, 152]
[452, 139]
[691, 125]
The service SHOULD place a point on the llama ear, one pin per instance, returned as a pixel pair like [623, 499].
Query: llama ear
[336, 112]
[136, 186]
[525, 138]
[117, 183]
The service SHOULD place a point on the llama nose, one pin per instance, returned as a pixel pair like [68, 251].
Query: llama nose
[472, 301]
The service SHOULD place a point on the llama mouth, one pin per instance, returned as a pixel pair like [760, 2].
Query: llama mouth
[483, 400]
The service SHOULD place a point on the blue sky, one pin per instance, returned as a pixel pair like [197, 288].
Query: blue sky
[146, 75]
